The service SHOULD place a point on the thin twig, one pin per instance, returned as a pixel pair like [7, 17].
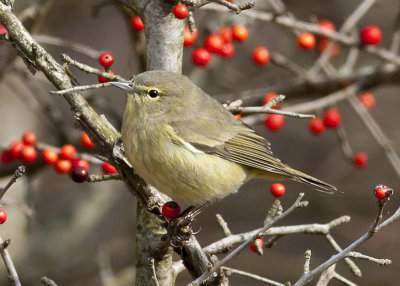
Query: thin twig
[379, 261]
[324, 102]
[377, 132]
[17, 174]
[281, 61]
[344, 280]
[229, 271]
[307, 261]
[289, 23]
[349, 24]
[326, 276]
[314, 228]
[81, 88]
[371, 232]
[223, 224]
[234, 7]
[247, 110]
[12, 272]
[344, 143]
[350, 263]
[59, 42]
[298, 203]
[47, 281]
[91, 70]
[154, 271]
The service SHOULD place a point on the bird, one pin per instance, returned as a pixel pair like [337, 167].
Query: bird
[187, 145]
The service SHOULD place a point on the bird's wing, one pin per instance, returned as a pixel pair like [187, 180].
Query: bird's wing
[228, 138]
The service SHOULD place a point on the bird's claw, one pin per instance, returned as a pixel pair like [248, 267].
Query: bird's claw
[180, 230]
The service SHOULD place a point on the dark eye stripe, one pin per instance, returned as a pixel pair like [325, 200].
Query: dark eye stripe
[153, 93]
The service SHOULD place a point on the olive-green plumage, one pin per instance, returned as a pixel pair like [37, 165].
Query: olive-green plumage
[187, 145]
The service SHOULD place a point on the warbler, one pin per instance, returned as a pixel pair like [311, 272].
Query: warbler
[188, 146]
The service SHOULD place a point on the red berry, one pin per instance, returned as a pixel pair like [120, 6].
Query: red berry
[29, 138]
[106, 60]
[306, 41]
[16, 148]
[49, 157]
[274, 122]
[28, 154]
[214, 43]
[63, 166]
[327, 25]
[101, 79]
[261, 56]
[3, 30]
[277, 190]
[260, 243]
[360, 159]
[270, 96]
[85, 141]
[240, 33]
[332, 118]
[323, 45]
[380, 191]
[181, 11]
[317, 125]
[367, 99]
[108, 168]
[77, 162]
[371, 35]
[137, 23]
[201, 57]
[79, 174]
[226, 34]
[227, 50]
[6, 157]
[68, 152]
[189, 38]
[171, 210]
[238, 116]
[3, 216]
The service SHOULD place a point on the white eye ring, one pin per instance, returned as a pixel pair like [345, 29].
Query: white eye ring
[153, 93]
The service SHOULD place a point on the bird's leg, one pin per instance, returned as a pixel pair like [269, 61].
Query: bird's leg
[191, 212]
[180, 229]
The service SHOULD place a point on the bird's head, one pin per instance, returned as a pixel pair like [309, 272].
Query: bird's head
[157, 93]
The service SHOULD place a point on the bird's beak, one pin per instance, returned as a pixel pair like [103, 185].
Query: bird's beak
[127, 85]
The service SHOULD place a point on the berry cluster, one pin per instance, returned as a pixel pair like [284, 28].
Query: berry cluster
[220, 43]
[23, 149]
[331, 119]
[65, 160]
[370, 35]
[106, 60]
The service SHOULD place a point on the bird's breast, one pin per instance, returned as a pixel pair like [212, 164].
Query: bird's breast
[179, 170]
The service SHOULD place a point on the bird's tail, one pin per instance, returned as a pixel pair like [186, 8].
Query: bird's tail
[318, 185]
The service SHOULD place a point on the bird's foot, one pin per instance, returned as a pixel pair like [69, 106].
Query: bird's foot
[180, 229]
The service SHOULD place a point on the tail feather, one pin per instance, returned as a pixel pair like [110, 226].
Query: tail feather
[309, 180]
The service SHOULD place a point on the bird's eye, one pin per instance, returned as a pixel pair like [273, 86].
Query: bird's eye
[153, 93]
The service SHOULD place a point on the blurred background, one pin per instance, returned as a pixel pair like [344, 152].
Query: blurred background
[72, 232]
